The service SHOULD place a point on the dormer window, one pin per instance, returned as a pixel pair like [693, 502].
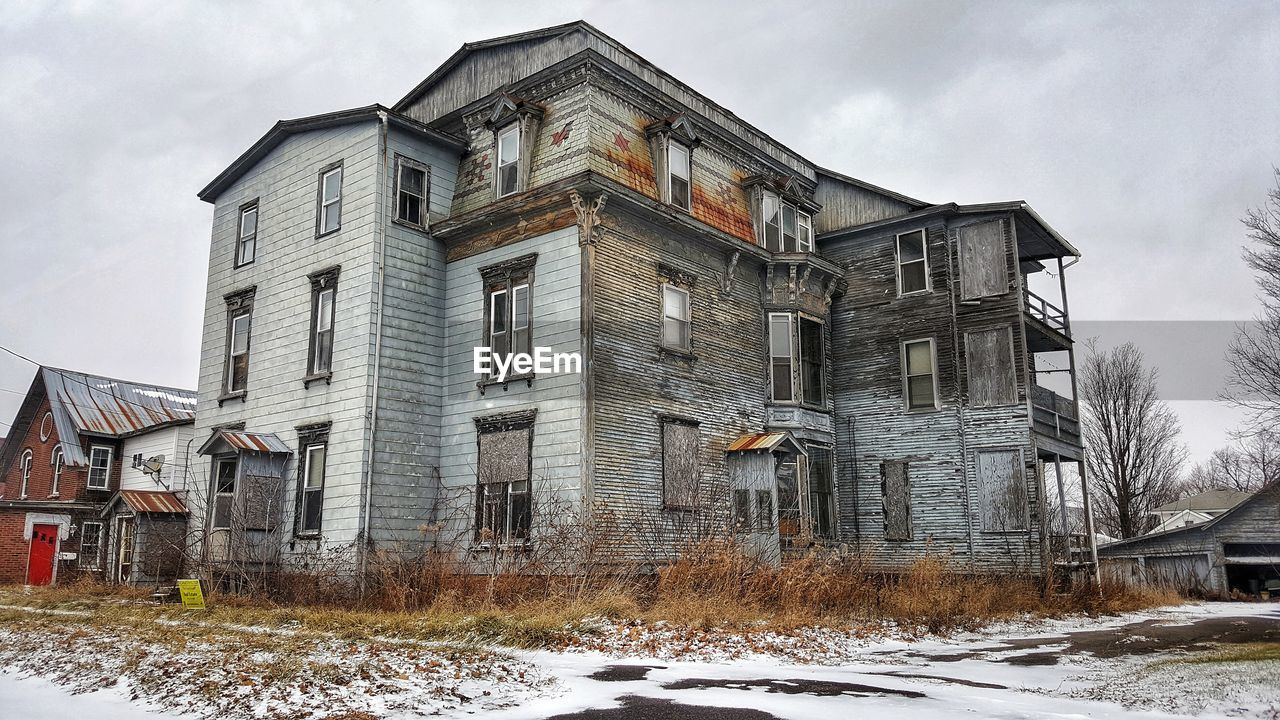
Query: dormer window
[679, 175]
[514, 123]
[786, 227]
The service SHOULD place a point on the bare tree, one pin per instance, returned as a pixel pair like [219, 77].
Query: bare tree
[1251, 463]
[1132, 446]
[1254, 354]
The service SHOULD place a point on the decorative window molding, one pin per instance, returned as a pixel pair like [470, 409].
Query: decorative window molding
[676, 321]
[504, 475]
[672, 275]
[672, 141]
[313, 447]
[329, 199]
[235, 375]
[324, 293]
[514, 123]
[413, 193]
[782, 214]
[508, 308]
[247, 233]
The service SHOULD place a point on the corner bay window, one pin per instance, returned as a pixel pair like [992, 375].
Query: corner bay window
[913, 262]
[786, 356]
[504, 507]
[786, 228]
[920, 382]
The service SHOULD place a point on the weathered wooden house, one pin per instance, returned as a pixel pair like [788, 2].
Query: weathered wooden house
[1236, 551]
[92, 468]
[768, 348]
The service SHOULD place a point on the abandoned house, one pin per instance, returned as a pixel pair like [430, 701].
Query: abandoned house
[94, 473]
[1233, 551]
[768, 348]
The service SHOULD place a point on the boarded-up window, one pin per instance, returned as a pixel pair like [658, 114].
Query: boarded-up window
[990, 362]
[741, 510]
[896, 490]
[263, 497]
[504, 511]
[679, 464]
[1002, 490]
[983, 269]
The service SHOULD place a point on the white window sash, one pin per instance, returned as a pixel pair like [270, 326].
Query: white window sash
[94, 453]
[331, 176]
[775, 357]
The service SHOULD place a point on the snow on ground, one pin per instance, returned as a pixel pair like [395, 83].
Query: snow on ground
[1121, 667]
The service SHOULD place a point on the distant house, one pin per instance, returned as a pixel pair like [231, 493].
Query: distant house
[92, 466]
[1237, 550]
[1196, 509]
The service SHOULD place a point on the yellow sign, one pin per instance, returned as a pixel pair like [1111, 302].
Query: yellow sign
[192, 595]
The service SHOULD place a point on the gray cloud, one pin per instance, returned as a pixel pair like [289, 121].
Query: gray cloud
[1141, 131]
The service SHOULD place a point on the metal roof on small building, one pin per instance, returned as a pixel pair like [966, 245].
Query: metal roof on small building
[240, 441]
[149, 502]
[1208, 500]
[763, 441]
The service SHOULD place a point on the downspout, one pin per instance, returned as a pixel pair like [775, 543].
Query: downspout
[380, 293]
[851, 426]
[955, 374]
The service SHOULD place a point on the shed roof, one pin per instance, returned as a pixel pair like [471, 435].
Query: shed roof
[226, 439]
[148, 502]
[764, 441]
[1208, 500]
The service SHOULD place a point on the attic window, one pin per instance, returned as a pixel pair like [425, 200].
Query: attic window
[514, 123]
[784, 226]
[671, 145]
[508, 161]
[679, 175]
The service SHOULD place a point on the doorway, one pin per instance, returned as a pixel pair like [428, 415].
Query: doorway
[43, 554]
[123, 555]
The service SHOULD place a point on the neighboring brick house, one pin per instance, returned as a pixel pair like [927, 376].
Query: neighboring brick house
[769, 348]
[76, 439]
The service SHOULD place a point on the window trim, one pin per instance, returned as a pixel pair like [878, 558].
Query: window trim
[804, 219]
[933, 373]
[791, 358]
[228, 381]
[326, 171]
[234, 461]
[304, 473]
[506, 278]
[688, 168]
[26, 461]
[515, 421]
[322, 281]
[402, 163]
[96, 562]
[58, 460]
[832, 519]
[238, 261]
[687, 347]
[110, 458]
[924, 259]
[46, 427]
[510, 129]
[801, 319]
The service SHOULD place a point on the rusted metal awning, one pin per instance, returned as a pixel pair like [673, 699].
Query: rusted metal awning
[150, 502]
[768, 441]
[241, 441]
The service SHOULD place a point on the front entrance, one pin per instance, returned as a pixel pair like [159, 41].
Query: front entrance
[43, 554]
[123, 556]
[790, 513]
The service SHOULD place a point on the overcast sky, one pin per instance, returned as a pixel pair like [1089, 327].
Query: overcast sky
[1141, 132]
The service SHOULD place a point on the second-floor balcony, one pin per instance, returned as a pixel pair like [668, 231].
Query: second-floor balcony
[1048, 327]
[1055, 417]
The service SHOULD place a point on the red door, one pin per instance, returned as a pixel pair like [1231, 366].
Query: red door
[44, 547]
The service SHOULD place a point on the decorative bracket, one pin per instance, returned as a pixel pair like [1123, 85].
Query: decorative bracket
[726, 282]
[588, 216]
[830, 290]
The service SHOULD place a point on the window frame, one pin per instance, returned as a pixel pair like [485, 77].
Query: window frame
[218, 493]
[322, 205]
[305, 490]
[505, 280]
[25, 462]
[96, 562]
[228, 381]
[802, 362]
[106, 483]
[250, 240]
[58, 460]
[519, 532]
[801, 220]
[831, 519]
[498, 163]
[323, 282]
[670, 501]
[687, 320]
[743, 521]
[933, 374]
[764, 509]
[424, 211]
[924, 261]
[791, 358]
[687, 166]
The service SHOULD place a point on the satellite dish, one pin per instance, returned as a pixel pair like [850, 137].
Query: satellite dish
[152, 466]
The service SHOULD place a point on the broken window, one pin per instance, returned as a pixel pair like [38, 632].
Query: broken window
[90, 545]
[812, 362]
[780, 357]
[247, 237]
[1002, 491]
[311, 500]
[329, 216]
[919, 379]
[821, 492]
[504, 469]
[99, 467]
[741, 510]
[412, 184]
[764, 510]
[509, 160]
[324, 290]
[989, 358]
[913, 262]
[680, 467]
[679, 175]
[786, 228]
[224, 491]
[895, 489]
[983, 266]
[675, 318]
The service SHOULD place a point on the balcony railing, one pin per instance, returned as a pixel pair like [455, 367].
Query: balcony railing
[1048, 313]
[1054, 415]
